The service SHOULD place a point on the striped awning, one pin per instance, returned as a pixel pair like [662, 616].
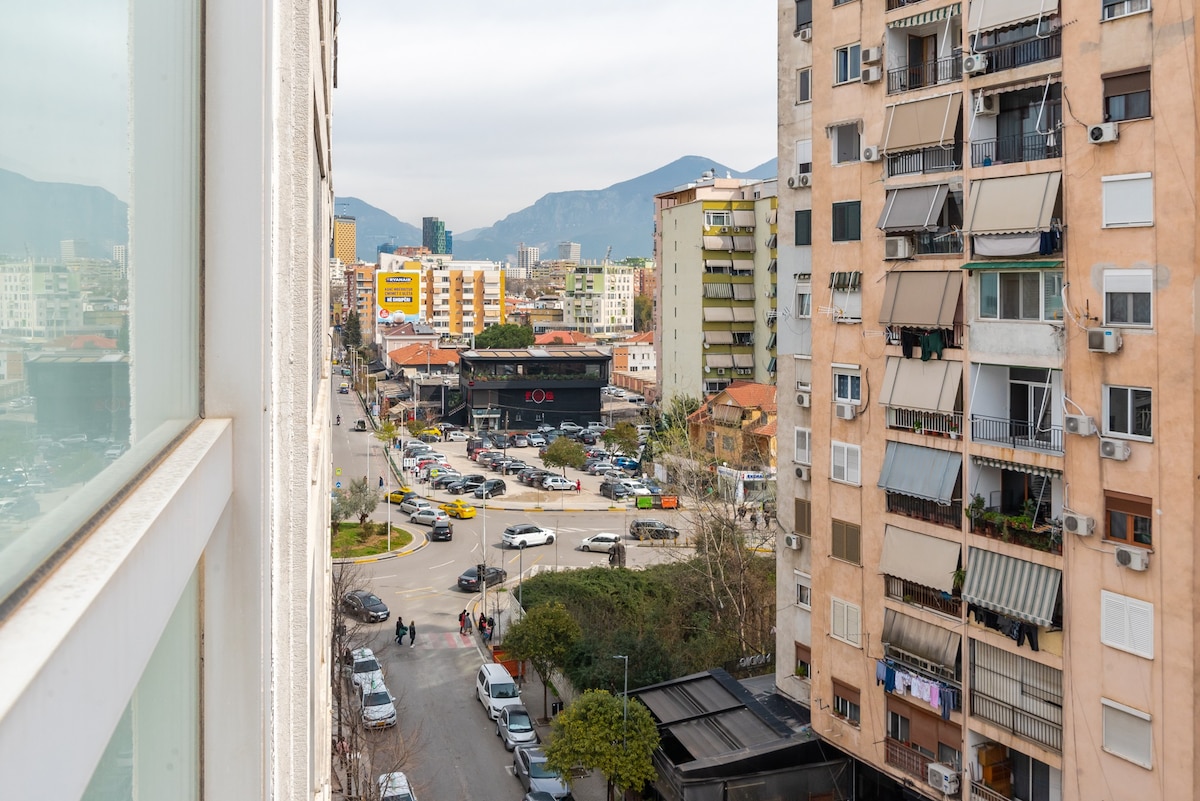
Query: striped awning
[933, 643]
[927, 17]
[1016, 467]
[1012, 586]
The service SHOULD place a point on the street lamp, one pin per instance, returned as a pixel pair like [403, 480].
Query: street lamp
[625, 704]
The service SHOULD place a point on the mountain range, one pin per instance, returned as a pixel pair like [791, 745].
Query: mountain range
[35, 216]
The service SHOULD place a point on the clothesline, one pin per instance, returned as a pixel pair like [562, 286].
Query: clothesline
[941, 697]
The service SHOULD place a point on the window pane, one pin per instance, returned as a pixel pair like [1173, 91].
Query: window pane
[1031, 296]
[1140, 302]
[1141, 530]
[989, 295]
[804, 227]
[1118, 410]
[1141, 413]
[1052, 295]
[1118, 528]
[1010, 297]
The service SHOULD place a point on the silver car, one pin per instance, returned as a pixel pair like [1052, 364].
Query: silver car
[529, 766]
[515, 727]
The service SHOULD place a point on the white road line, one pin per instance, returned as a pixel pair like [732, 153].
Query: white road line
[414, 589]
[443, 564]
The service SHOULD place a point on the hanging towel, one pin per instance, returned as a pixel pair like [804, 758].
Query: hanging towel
[880, 672]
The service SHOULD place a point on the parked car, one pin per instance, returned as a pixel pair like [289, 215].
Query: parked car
[428, 516]
[364, 668]
[427, 437]
[635, 486]
[603, 542]
[469, 580]
[378, 707]
[445, 479]
[543, 429]
[491, 488]
[529, 766]
[488, 457]
[588, 437]
[557, 483]
[648, 527]
[520, 441]
[459, 508]
[456, 436]
[468, 484]
[532, 476]
[513, 467]
[569, 427]
[521, 535]
[442, 530]
[415, 504]
[611, 489]
[626, 463]
[395, 787]
[514, 727]
[365, 605]
[536, 440]
[653, 485]
[602, 466]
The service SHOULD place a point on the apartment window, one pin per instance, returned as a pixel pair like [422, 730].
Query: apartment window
[846, 221]
[847, 63]
[897, 727]
[1128, 733]
[803, 15]
[847, 143]
[803, 85]
[803, 452]
[847, 387]
[804, 304]
[949, 755]
[803, 512]
[804, 226]
[726, 443]
[1012, 295]
[1128, 297]
[803, 590]
[803, 158]
[1128, 518]
[845, 622]
[718, 218]
[1128, 200]
[847, 542]
[845, 468]
[846, 702]
[1128, 412]
[1127, 95]
[1127, 624]
[803, 660]
[1112, 9]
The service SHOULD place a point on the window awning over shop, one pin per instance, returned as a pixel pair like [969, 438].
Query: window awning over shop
[925, 473]
[718, 243]
[715, 360]
[931, 386]
[743, 360]
[718, 337]
[743, 218]
[929, 16]
[718, 314]
[987, 15]
[928, 561]
[1013, 205]
[914, 208]
[1012, 586]
[925, 640]
[743, 314]
[717, 263]
[927, 299]
[930, 122]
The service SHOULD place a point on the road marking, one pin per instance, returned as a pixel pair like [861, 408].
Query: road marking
[414, 589]
[443, 564]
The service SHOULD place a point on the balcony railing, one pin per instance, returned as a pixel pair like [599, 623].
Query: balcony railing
[929, 159]
[894, 334]
[912, 762]
[1014, 149]
[984, 793]
[1018, 529]
[925, 73]
[1019, 434]
[941, 241]
[950, 515]
[912, 593]
[1018, 54]
[938, 425]
[1018, 721]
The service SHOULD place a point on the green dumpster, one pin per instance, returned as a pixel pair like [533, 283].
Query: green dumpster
[645, 502]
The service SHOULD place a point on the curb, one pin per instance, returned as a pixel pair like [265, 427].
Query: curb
[379, 557]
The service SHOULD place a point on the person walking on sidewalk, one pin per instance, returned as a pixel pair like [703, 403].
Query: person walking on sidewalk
[401, 630]
[463, 617]
[412, 634]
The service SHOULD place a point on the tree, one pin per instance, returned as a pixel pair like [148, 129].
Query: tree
[415, 427]
[361, 498]
[643, 313]
[340, 509]
[352, 330]
[505, 336]
[564, 452]
[544, 636]
[387, 431]
[622, 438]
[593, 732]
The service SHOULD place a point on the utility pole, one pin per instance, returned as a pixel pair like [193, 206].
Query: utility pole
[625, 704]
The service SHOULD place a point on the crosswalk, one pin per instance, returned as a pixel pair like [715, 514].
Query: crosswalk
[445, 639]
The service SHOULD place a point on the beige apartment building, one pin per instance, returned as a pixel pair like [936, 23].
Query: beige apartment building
[715, 243]
[987, 334]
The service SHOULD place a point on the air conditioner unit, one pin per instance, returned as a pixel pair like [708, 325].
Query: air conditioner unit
[1103, 132]
[871, 153]
[1114, 449]
[1104, 340]
[720, 371]
[1079, 424]
[897, 247]
[792, 541]
[1077, 524]
[800, 181]
[724, 229]
[806, 35]
[987, 106]
[844, 411]
[870, 75]
[802, 472]
[803, 399]
[975, 63]
[943, 778]
[872, 55]
[1133, 558]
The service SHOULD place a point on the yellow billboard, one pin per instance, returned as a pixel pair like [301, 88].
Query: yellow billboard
[398, 296]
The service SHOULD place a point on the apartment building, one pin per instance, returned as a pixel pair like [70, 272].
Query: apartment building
[715, 243]
[458, 298]
[345, 239]
[992, 574]
[41, 301]
[599, 299]
[635, 354]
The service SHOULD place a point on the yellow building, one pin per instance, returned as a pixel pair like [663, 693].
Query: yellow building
[345, 239]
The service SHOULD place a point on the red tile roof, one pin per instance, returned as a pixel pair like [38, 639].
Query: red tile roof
[644, 338]
[420, 353]
[750, 395]
[562, 338]
[767, 430]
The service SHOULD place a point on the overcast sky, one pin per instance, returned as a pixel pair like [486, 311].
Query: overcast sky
[469, 110]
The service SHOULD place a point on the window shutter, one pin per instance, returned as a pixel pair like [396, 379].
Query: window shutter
[1127, 623]
[1126, 734]
[1114, 626]
[852, 469]
[837, 619]
[1140, 617]
[853, 623]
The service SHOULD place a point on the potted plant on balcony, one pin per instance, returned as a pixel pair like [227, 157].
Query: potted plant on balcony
[957, 579]
[952, 429]
[917, 426]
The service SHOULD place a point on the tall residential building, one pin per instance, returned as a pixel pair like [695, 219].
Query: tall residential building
[644, 281]
[41, 301]
[715, 244]
[991, 585]
[435, 237]
[345, 239]
[569, 251]
[599, 299]
[527, 257]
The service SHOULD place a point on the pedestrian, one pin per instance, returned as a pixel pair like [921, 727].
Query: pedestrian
[578, 485]
[412, 634]
[754, 520]
[482, 622]
[381, 482]
[401, 630]
[462, 622]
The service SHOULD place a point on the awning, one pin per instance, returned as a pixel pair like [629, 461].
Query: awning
[1011, 586]
[743, 314]
[925, 640]
[743, 291]
[989, 14]
[1036, 83]
[931, 386]
[928, 299]
[720, 338]
[1011, 265]
[718, 360]
[718, 314]
[1016, 467]
[718, 243]
[1013, 205]
[925, 473]
[772, 216]
[929, 16]
[928, 561]
[717, 263]
[922, 123]
[1007, 246]
[743, 360]
[744, 244]
[743, 218]
[914, 208]
[718, 291]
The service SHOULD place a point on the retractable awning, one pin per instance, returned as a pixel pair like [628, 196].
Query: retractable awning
[925, 640]
[743, 314]
[1016, 467]
[927, 17]
[717, 263]
[718, 314]
[926, 473]
[931, 386]
[718, 337]
[1013, 205]
[718, 243]
[1012, 586]
[743, 218]
[987, 15]
[718, 360]
[743, 291]
[927, 299]
[913, 208]
[1012, 265]
[922, 123]
[743, 360]
[744, 244]
[919, 558]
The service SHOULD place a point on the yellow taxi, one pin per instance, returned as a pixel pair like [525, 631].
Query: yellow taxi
[398, 495]
[459, 508]
[432, 431]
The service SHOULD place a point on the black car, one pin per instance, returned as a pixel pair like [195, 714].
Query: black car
[611, 489]
[465, 485]
[442, 531]
[532, 476]
[589, 437]
[445, 479]
[491, 488]
[645, 527]
[515, 466]
[365, 606]
[469, 580]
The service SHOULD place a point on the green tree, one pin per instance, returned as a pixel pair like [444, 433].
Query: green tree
[643, 313]
[387, 431]
[544, 636]
[593, 732]
[352, 330]
[415, 427]
[564, 452]
[622, 438]
[505, 336]
[339, 509]
[362, 499]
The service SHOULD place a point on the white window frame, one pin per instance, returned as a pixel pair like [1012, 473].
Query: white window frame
[803, 85]
[803, 590]
[713, 219]
[1114, 711]
[845, 622]
[1128, 434]
[835, 137]
[802, 455]
[1127, 624]
[1044, 312]
[855, 397]
[804, 302]
[852, 56]
[848, 476]
[804, 158]
[1128, 9]
[1135, 193]
[1144, 279]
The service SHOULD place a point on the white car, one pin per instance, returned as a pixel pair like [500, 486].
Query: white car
[456, 436]
[603, 542]
[569, 427]
[536, 440]
[428, 516]
[365, 670]
[414, 505]
[378, 706]
[395, 787]
[557, 483]
[523, 534]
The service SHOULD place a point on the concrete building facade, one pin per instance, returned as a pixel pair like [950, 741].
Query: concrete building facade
[599, 299]
[983, 591]
[345, 239]
[570, 251]
[434, 236]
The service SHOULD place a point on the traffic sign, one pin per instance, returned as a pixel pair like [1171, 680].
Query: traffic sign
[338, 485]
[337, 471]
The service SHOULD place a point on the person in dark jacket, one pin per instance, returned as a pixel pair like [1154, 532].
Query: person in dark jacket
[401, 630]
[412, 634]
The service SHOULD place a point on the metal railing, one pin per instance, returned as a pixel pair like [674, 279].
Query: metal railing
[942, 425]
[912, 593]
[929, 159]
[1018, 721]
[950, 515]
[982, 791]
[1014, 149]
[912, 762]
[894, 334]
[1020, 434]
[941, 241]
[892, 5]
[925, 73]
[1018, 54]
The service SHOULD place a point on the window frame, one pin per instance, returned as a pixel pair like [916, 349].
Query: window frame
[853, 380]
[1110, 94]
[803, 223]
[1105, 5]
[712, 217]
[848, 57]
[803, 16]
[850, 225]
[1127, 624]
[1131, 407]
[1113, 182]
[803, 590]
[847, 448]
[1131, 714]
[996, 295]
[802, 514]
[1128, 276]
[806, 433]
[803, 85]
[835, 135]
[1132, 508]
[840, 610]
[842, 536]
[846, 702]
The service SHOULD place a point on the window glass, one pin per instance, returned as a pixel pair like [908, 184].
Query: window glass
[803, 14]
[106, 151]
[847, 64]
[1128, 518]
[846, 221]
[989, 295]
[847, 387]
[803, 85]
[804, 226]
[847, 143]
[1127, 97]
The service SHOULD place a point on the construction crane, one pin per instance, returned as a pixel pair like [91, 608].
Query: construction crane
[607, 254]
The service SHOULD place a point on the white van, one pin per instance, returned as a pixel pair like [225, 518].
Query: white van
[643, 430]
[496, 688]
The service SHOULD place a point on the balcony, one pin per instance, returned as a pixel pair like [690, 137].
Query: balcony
[919, 595]
[1025, 529]
[925, 73]
[1018, 54]
[984, 793]
[926, 160]
[1016, 720]
[1016, 149]
[931, 423]
[1019, 434]
[950, 515]
[941, 242]
[912, 762]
